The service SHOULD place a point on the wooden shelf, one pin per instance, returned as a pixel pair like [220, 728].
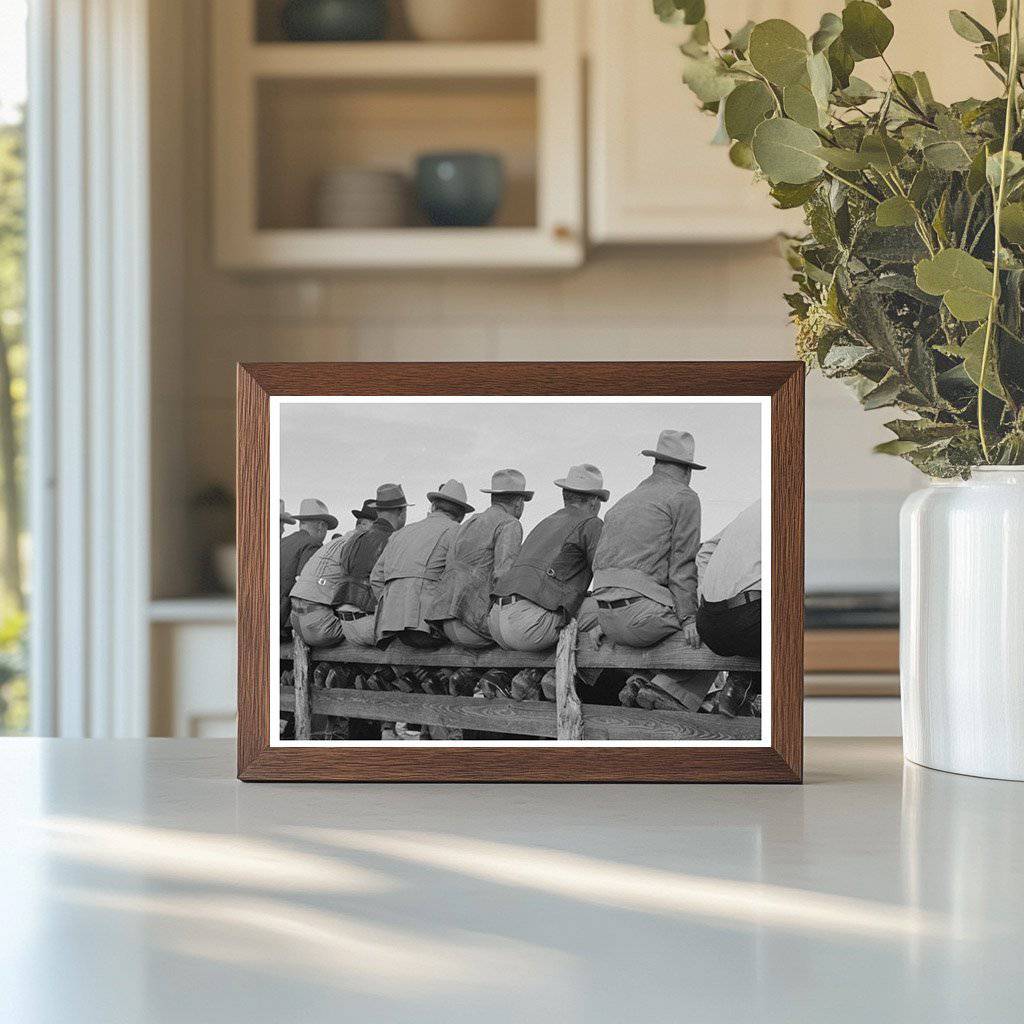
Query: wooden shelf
[393, 60]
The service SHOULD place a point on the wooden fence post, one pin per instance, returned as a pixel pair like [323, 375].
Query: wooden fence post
[303, 690]
[569, 711]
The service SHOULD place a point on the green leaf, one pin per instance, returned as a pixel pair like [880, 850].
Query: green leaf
[788, 196]
[787, 151]
[844, 159]
[739, 41]
[895, 212]
[779, 51]
[745, 108]
[971, 352]
[801, 106]
[969, 28]
[829, 30]
[895, 447]
[883, 152]
[866, 29]
[963, 281]
[707, 78]
[1012, 224]
[741, 155]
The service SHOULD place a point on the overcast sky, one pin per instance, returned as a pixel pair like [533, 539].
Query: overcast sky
[340, 451]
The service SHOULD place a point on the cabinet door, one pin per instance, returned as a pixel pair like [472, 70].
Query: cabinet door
[654, 177]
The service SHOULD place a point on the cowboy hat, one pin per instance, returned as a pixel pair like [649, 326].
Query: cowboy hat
[508, 481]
[314, 508]
[452, 492]
[675, 446]
[368, 511]
[586, 479]
[389, 497]
[286, 517]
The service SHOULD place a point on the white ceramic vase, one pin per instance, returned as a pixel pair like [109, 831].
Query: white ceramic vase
[962, 624]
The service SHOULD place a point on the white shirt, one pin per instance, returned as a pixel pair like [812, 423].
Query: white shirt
[730, 562]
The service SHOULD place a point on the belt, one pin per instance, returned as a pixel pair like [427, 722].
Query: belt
[511, 599]
[747, 597]
[351, 616]
[621, 603]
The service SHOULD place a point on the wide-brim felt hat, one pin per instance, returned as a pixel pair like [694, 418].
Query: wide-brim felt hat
[675, 446]
[585, 479]
[508, 481]
[389, 497]
[454, 493]
[286, 517]
[314, 508]
[368, 511]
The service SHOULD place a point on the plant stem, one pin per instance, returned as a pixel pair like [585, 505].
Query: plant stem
[1011, 108]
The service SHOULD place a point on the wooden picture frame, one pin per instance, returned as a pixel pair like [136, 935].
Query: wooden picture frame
[780, 759]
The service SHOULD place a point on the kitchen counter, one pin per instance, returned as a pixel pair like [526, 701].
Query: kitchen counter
[141, 882]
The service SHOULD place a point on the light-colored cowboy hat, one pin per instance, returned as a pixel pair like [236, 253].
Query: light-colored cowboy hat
[675, 446]
[508, 481]
[314, 508]
[453, 492]
[586, 479]
[368, 511]
[389, 497]
[286, 517]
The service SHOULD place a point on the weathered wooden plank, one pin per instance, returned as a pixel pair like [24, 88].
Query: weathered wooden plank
[525, 718]
[303, 691]
[568, 713]
[670, 654]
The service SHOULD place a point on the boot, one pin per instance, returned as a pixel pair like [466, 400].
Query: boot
[526, 684]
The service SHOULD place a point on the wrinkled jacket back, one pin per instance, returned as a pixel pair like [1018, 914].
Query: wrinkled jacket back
[340, 573]
[553, 567]
[482, 550]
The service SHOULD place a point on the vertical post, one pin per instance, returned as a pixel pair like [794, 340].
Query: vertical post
[568, 710]
[303, 689]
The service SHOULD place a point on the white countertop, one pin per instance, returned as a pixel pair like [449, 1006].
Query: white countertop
[140, 882]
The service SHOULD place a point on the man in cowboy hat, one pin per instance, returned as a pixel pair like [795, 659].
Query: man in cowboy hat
[296, 549]
[406, 575]
[364, 519]
[332, 598]
[286, 518]
[548, 580]
[483, 550]
[645, 571]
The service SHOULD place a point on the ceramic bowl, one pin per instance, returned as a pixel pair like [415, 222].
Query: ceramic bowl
[332, 21]
[460, 189]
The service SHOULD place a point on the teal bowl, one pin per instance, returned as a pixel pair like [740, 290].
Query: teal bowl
[460, 189]
[334, 21]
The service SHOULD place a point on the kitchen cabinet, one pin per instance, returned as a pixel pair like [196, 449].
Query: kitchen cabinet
[654, 177]
[287, 114]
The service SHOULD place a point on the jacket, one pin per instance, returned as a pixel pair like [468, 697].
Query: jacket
[482, 551]
[406, 576]
[296, 549]
[650, 543]
[340, 573]
[554, 566]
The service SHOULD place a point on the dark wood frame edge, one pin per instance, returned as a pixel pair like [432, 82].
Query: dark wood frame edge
[780, 762]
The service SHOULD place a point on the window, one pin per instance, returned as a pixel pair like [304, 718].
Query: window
[14, 695]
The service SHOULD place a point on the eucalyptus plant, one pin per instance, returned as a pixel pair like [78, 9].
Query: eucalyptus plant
[910, 277]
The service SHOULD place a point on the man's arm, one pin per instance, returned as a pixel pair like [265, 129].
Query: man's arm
[682, 561]
[707, 549]
[507, 543]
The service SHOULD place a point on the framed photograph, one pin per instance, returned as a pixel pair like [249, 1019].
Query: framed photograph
[564, 572]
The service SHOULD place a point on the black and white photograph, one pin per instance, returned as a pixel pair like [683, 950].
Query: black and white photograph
[523, 570]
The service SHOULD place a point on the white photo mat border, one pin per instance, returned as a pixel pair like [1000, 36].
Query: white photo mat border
[277, 401]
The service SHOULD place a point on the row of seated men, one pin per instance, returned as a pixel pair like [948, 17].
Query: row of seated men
[477, 582]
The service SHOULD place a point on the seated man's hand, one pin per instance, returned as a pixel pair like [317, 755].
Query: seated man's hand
[690, 634]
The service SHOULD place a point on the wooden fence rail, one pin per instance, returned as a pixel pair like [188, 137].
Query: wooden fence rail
[565, 719]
